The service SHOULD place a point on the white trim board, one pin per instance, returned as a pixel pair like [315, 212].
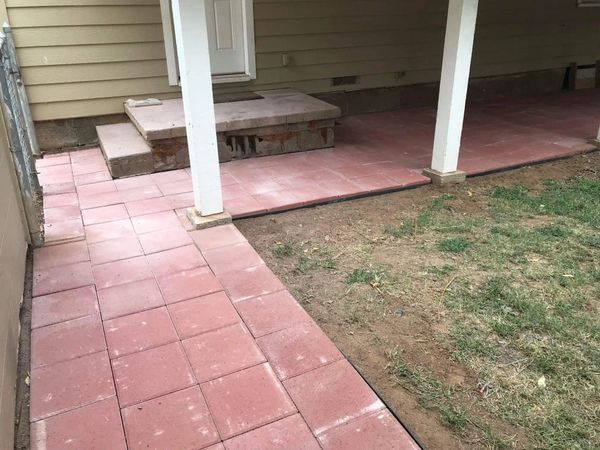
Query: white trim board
[171, 47]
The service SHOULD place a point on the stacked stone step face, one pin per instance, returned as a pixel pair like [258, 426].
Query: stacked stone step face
[280, 121]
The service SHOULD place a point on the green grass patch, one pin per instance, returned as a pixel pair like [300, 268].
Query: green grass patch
[454, 245]
[374, 276]
[283, 249]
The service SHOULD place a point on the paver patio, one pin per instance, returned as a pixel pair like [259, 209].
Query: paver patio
[163, 337]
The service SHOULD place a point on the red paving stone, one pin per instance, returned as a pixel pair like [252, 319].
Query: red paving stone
[272, 312]
[177, 421]
[140, 331]
[331, 396]
[63, 306]
[378, 430]
[151, 373]
[70, 384]
[202, 314]
[221, 352]
[246, 400]
[129, 298]
[66, 340]
[249, 407]
[297, 350]
[284, 434]
[73, 431]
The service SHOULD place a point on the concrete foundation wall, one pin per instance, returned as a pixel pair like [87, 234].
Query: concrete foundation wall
[13, 249]
[84, 58]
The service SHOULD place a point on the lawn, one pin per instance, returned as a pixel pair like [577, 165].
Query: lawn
[473, 310]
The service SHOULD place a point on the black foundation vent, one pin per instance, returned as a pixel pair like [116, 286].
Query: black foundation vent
[344, 81]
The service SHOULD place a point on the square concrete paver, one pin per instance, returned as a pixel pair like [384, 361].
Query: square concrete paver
[250, 282]
[217, 237]
[232, 258]
[129, 298]
[104, 214]
[60, 255]
[66, 340]
[62, 278]
[300, 349]
[332, 395]
[165, 239]
[115, 250]
[155, 222]
[188, 284]
[202, 314]
[151, 373]
[221, 352]
[176, 421]
[147, 206]
[70, 384]
[378, 430]
[288, 433]
[96, 426]
[109, 230]
[246, 400]
[140, 331]
[272, 312]
[121, 272]
[175, 260]
[63, 306]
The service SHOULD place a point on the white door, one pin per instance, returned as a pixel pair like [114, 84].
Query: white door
[226, 36]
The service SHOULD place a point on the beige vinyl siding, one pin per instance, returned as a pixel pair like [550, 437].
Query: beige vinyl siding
[13, 248]
[85, 57]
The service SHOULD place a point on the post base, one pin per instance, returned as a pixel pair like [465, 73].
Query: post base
[201, 222]
[443, 179]
[595, 142]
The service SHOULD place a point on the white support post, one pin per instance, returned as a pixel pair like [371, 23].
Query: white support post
[456, 65]
[189, 21]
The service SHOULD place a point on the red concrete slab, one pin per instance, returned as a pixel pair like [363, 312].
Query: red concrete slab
[244, 206]
[202, 314]
[66, 199]
[109, 230]
[97, 188]
[53, 160]
[92, 178]
[176, 187]
[170, 176]
[104, 214]
[88, 201]
[62, 278]
[60, 255]
[183, 200]
[114, 250]
[124, 184]
[121, 272]
[129, 298]
[62, 213]
[246, 400]
[378, 430]
[72, 430]
[165, 239]
[175, 260]
[250, 282]
[232, 258]
[216, 237]
[66, 340]
[149, 206]
[176, 421]
[188, 284]
[58, 188]
[278, 200]
[140, 331]
[140, 193]
[70, 384]
[297, 350]
[284, 434]
[145, 375]
[221, 352]
[63, 306]
[272, 312]
[331, 396]
[70, 230]
[155, 222]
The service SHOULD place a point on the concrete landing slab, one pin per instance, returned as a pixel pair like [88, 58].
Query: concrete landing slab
[126, 152]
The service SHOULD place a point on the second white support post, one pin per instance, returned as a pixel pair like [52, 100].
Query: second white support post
[189, 22]
[456, 66]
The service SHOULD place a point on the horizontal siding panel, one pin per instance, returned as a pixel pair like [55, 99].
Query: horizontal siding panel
[45, 75]
[99, 89]
[85, 35]
[35, 3]
[89, 54]
[82, 15]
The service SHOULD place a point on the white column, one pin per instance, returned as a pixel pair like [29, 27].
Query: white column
[189, 21]
[456, 65]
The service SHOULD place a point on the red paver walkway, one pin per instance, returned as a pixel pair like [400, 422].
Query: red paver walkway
[147, 335]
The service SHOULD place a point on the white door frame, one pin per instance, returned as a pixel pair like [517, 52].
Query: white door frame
[249, 49]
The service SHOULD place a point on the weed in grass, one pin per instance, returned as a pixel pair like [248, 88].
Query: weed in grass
[374, 276]
[283, 249]
[411, 227]
[552, 230]
[315, 258]
[454, 245]
[441, 271]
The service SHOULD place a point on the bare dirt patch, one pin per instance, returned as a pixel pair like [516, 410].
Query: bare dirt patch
[385, 276]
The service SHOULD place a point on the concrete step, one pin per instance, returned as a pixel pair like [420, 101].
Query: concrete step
[125, 150]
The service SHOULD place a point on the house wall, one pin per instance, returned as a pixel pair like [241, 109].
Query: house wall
[85, 57]
[13, 249]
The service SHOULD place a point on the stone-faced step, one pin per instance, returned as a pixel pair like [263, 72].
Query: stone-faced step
[126, 152]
